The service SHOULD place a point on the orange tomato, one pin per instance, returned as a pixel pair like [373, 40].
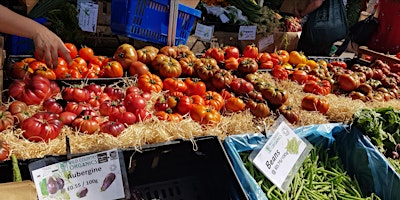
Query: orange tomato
[284, 54]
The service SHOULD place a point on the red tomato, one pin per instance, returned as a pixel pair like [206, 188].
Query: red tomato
[299, 76]
[280, 72]
[125, 54]
[6, 120]
[114, 93]
[67, 117]
[250, 51]
[42, 126]
[73, 51]
[312, 103]
[51, 105]
[138, 68]
[195, 87]
[127, 118]
[4, 150]
[231, 51]
[134, 101]
[142, 114]
[32, 91]
[398, 55]
[87, 123]
[86, 53]
[112, 128]
[76, 108]
[75, 94]
[108, 107]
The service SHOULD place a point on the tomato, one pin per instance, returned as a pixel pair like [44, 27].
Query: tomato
[112, 69]
[132, 89]
[214, 100]
[205, 115]
[299, 76]
[51, 105]
[108, 107]
[231, 63]
[112, 128]
[4, 150]
[134, 101]
[126, 118]
[42, 126]
[275, 96]
[76, 94]
[357, 95]
[290, 115]
[348, 82]
[258, 109]
[6, 120]
[284, 55]
[146, 55]
[221, 79]
[62, 68]
[31, 91]
[93, 88]
[195, 87]
[265, 61]
[187, 65]
[96, 60]
[341, 64]
[20, 70]
[296, 58]
[67, 117]
[169, 116]
[250, 51]
[87, 123]
[247, 65]
[150, 83]
[240, 86]
[80, 63]
[280, 72]
[76, 108]
[125, 54]
[234, 104]
[276, 59]
[312, 103]
[114, 93]
[231, 52]
[142, 114]
[168, 51]
[86, 53]
[138, 68]
[174, 84]
[169, 68]
[256, 95]
[266, 65]
[185, 103]
[46, 72]
[217, 53]
[317, 87]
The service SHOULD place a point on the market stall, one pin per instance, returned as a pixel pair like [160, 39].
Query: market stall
[164, 119]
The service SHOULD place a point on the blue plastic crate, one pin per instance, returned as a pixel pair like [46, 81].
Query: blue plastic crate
[148, 20]
[16, 45]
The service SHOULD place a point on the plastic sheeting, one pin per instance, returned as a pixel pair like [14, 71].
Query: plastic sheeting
[360, 158]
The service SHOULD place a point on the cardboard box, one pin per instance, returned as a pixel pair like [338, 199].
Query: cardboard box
[288, 6]
[190, 3]
[274, 41]
[18, 190]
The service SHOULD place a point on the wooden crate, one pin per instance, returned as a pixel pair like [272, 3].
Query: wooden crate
[389, 59]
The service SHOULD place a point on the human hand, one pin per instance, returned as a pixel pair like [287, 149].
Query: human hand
[48, 45]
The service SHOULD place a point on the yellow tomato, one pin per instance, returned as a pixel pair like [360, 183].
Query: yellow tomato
[311, 63]
[323, 63]
[296, 58]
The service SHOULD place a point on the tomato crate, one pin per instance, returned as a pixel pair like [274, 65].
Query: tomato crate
[148, 20]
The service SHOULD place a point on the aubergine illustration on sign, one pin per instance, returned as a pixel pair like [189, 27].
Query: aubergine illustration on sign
[108, 180]
[82, 192]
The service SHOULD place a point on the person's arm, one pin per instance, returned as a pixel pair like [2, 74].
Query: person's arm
[313, 5]
[47, 44]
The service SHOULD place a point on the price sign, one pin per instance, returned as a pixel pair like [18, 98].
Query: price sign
[247, 32]
[96, 176]
[278, 157]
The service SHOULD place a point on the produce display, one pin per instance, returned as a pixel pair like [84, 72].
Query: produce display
[321, 176]
[161, 94]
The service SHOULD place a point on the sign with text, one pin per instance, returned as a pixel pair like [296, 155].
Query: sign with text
[204, 32]
[278, 157]
[95, 176]
[247, 32]
[87, 16]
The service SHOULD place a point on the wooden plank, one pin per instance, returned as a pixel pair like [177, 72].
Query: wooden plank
[389, 59]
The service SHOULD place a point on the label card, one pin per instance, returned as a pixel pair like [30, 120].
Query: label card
[263, 43]
[87, 16]
[247, 32]
[204, 32]
[95, 176]
[278, 157]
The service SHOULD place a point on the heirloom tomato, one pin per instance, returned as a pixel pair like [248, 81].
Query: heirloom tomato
[258, 109]
[234, 104]
[174, 84]
[185, 103]
[168, 115]
[289, 113]
[6, 120]
[134, 101]
[296, 58]
[284, 55]
[275, 96]
[76, 108]
[299, 76]
[217, 53]
[125, 54]
[221, 79]
[75, 93]
[108, 107]
[113, 128]
[4, 150]
[187, 65]
[247, 65]
[150, 83]
[31, 91]
[114, 93]
[168, 51]
[205, 115]
[250, 51]
[214, 100]
[113, 69]
[51, 105]
[138, 68]
[206, 68]
[19, 110]
[147, 55]
[67, 117]
[195, 87]
[280, 72]
[142, 115]
[126, 118]
[42, 126]
[231, 52]
[21, 70]
[231, 63]
[87, 123]
[312, 103]
[317, 87]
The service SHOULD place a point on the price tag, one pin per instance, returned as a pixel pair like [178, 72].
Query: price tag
[87, 16]
[278, 158]
[247, 32]
[95, 176]
[224, 18]
[204, 32]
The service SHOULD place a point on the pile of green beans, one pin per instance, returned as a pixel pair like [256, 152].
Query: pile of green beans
[320, 177]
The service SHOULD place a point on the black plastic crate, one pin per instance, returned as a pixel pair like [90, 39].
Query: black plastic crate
[183, 170]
